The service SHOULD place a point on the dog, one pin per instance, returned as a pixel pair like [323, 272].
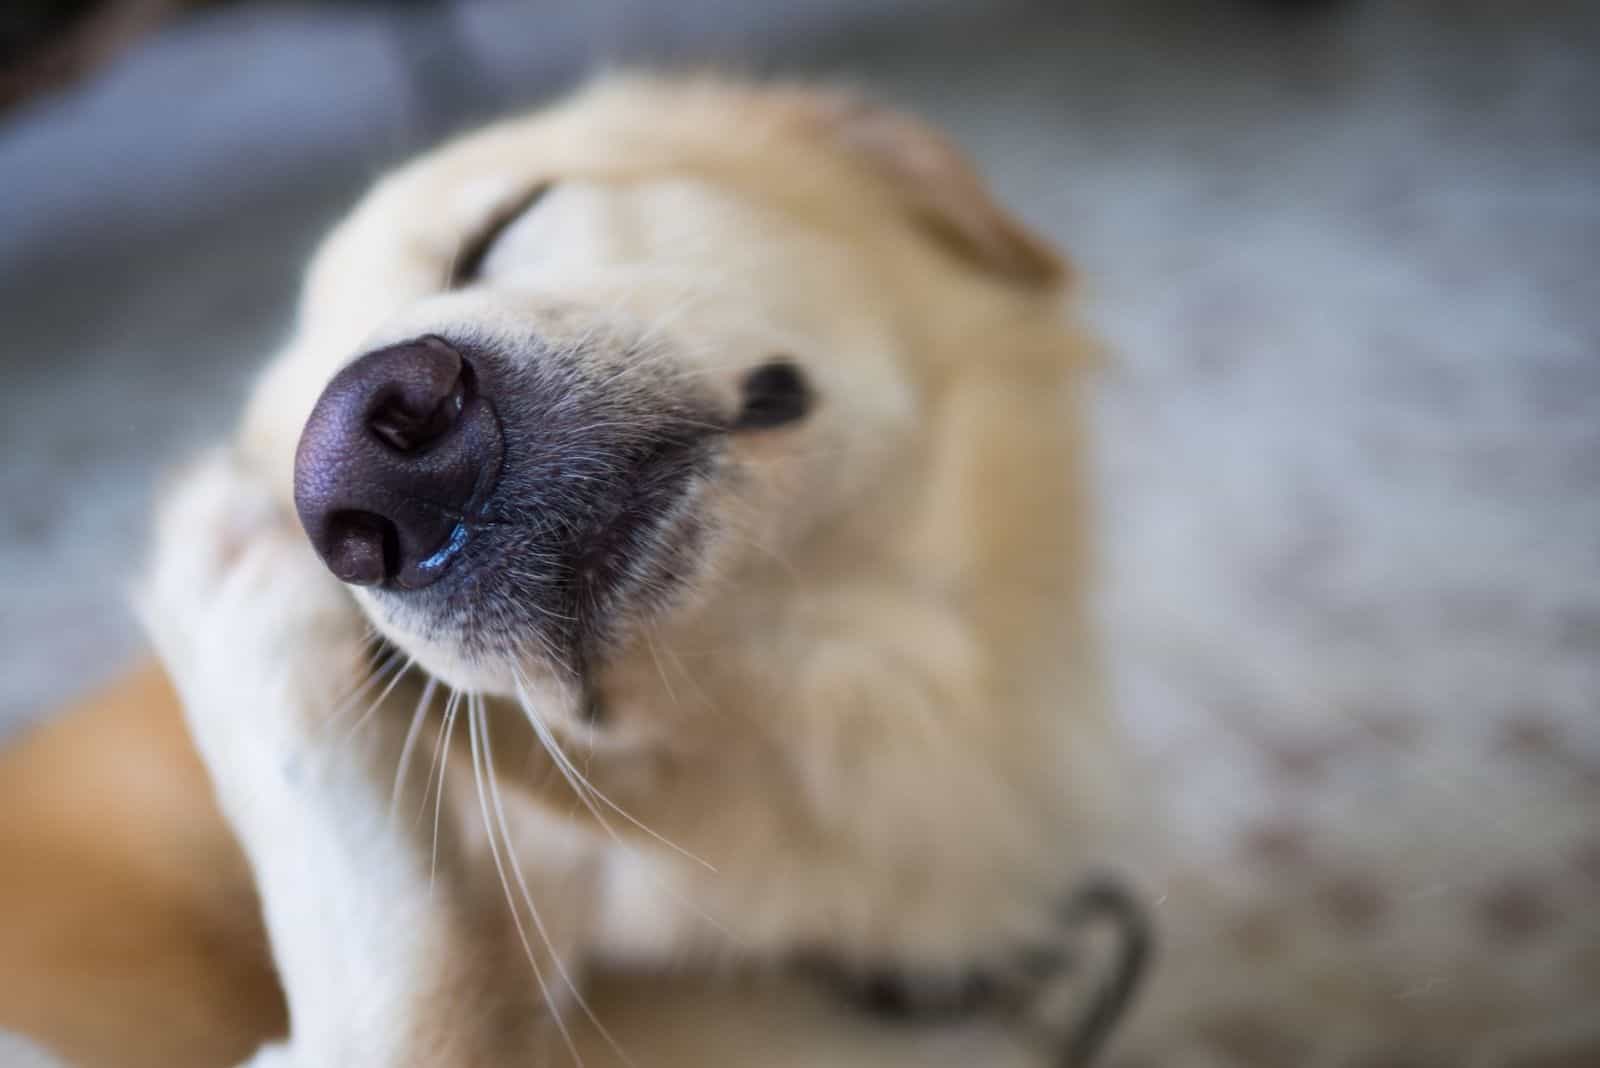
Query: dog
[658, 557]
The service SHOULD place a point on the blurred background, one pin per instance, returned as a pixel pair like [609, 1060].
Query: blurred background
[1347, 259]
[1255, 191]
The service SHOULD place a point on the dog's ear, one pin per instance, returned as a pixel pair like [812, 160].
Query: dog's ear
[940, 186]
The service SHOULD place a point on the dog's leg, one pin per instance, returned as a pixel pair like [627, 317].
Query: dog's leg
[388, 956]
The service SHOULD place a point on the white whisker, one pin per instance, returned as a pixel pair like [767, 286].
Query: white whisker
[527, 897]
[361, 689]
[445, 730]
[584, 788]
[499, 865]
[655, 655]
[379, 700]
[402, 770]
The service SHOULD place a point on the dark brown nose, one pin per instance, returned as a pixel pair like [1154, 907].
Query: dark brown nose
[397, 453]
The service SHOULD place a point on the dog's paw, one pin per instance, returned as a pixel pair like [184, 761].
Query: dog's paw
[255, 633]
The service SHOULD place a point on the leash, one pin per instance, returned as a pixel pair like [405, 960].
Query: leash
[1105, 901]
[1101, 904]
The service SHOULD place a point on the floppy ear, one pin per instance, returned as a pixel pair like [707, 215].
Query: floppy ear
[940, 186]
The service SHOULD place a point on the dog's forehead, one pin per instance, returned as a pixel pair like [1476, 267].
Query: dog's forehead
[631, 132]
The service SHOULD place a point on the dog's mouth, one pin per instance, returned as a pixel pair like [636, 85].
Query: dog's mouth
[504, 511]
[621, 528]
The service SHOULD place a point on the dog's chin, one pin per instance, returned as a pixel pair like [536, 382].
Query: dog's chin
[500, 675]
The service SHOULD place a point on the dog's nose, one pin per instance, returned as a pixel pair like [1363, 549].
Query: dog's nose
[397, 452]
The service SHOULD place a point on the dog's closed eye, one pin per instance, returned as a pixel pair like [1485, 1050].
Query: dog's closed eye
[773, 394]
[468, 263]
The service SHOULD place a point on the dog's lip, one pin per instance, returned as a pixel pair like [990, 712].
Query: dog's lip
[446, 553]
[668, 469]
[483, 423]
[661, 476]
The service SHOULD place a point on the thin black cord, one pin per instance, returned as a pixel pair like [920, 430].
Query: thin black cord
[1100, 900]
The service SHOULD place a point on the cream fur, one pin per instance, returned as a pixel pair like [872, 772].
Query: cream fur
[871, 727]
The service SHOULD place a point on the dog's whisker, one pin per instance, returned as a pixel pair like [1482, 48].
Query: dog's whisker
[687, 677]
[579, 784]
[446, 733]
[661, 671]
[407, 748]
[548, 650]
[527, 896]
[748, 537]
[373, 677]
[473, 726]
[585, 789]
[375, 674]
[377, 702]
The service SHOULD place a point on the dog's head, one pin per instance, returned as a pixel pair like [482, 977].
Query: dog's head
[613, 367]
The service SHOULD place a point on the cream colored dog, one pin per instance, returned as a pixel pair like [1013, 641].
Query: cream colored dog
[706, 459]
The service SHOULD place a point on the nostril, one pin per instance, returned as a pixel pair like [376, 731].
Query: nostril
[419, 405]
[408, 419]
[360, 548]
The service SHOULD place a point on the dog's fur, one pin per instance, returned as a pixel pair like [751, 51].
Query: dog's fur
[845, 710]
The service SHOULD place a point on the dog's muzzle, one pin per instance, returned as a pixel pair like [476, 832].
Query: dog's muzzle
[497, 496]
